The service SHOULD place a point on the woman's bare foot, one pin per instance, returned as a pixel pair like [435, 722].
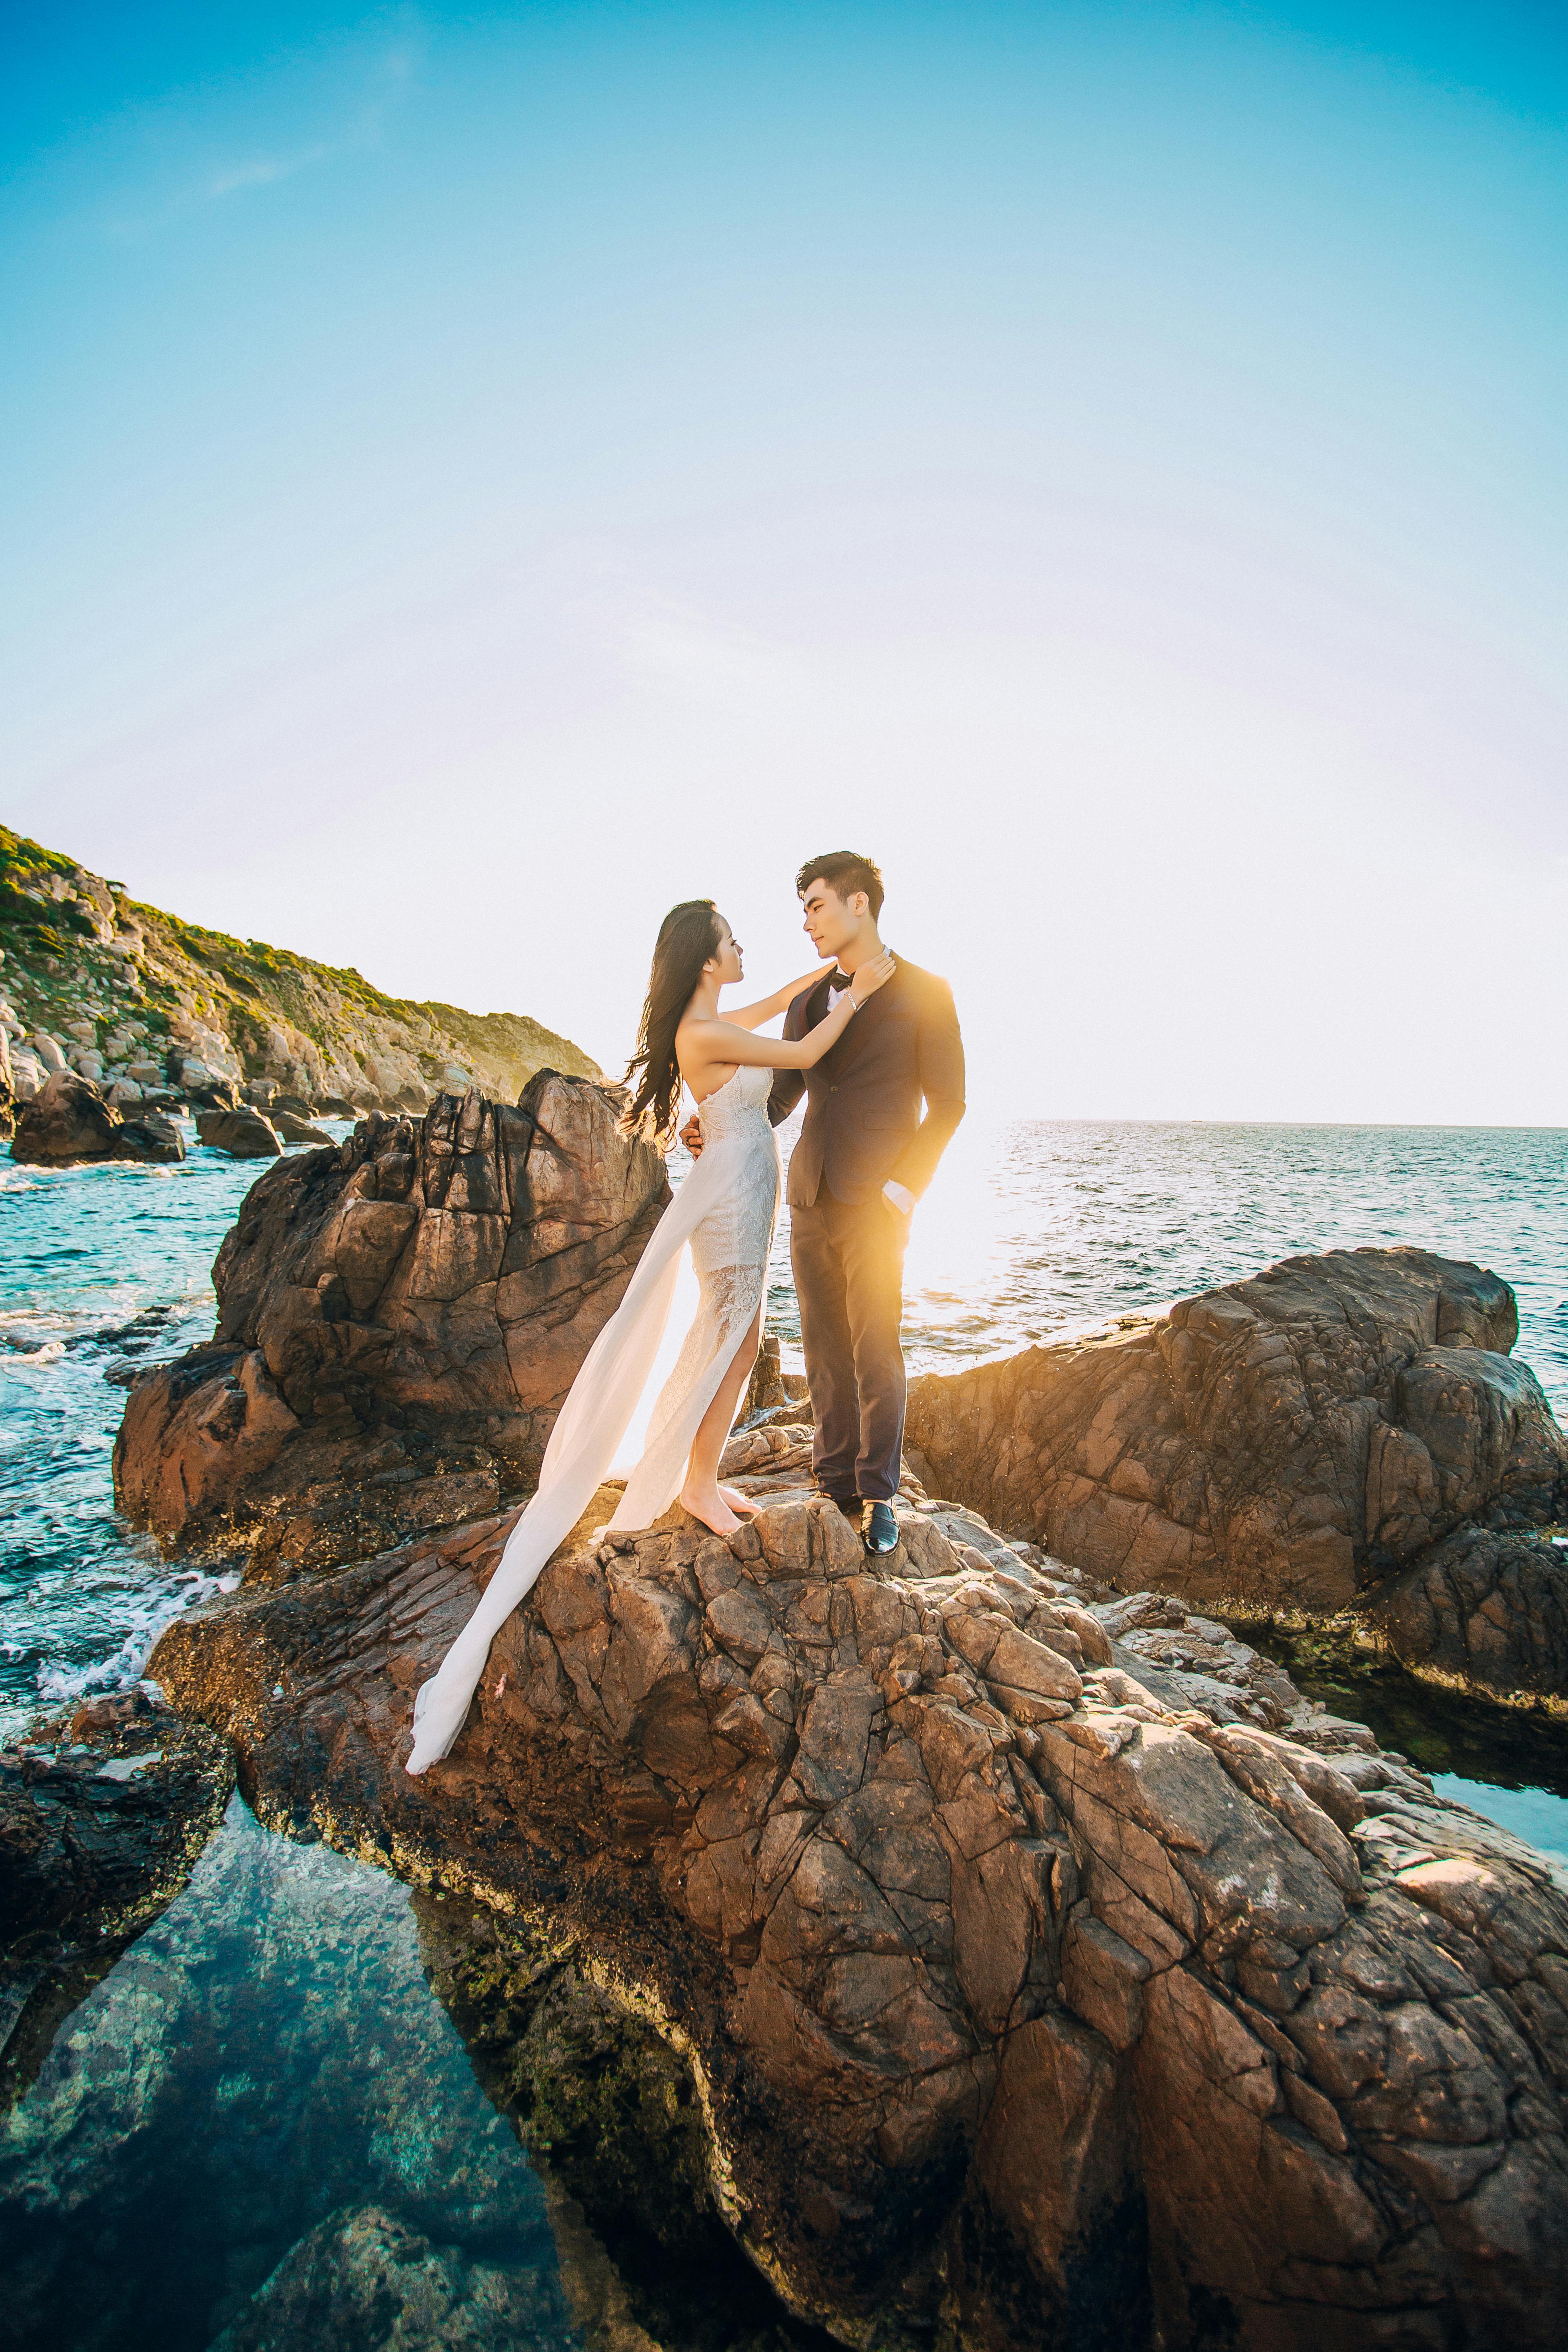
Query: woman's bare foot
[708, 1504]
[738, 1502]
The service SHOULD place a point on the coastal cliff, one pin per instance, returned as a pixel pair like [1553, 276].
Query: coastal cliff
[139, 1000]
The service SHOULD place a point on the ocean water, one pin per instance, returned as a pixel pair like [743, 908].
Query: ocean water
[1039, 1227]
[263, 2094]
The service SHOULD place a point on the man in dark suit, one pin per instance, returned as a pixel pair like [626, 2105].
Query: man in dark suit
[880, 1108]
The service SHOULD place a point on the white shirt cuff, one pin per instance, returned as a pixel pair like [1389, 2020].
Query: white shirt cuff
[900, 1196]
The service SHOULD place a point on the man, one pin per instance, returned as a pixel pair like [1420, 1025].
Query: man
[867, 1153]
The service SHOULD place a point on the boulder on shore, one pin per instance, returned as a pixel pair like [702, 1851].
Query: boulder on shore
[295, 1129]
[1032, 1985]
[400, 1317]
[67, 1121]
[244, 1133]
[1320, 1438]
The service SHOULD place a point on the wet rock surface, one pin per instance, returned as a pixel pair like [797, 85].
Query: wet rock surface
[399, 1320]
[1343, 1432]
[102, 1816]
[1040, 1963]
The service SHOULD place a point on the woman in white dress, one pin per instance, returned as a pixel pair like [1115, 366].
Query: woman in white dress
[725, 1211]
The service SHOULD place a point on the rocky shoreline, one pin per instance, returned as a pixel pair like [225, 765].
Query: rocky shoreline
[1019, 1969]
[152, 1011]
[988, 1942]
[1340, 1437]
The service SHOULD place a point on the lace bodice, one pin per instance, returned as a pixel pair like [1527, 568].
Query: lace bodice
[736, 1106]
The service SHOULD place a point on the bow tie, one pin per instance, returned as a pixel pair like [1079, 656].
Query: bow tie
[837, 981]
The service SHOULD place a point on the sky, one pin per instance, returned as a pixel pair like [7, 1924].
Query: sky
[474, 477]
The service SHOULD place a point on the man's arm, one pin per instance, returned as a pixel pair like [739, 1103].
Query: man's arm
[939, 1050]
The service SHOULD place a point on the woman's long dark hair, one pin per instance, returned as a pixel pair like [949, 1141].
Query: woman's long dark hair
[687, 935]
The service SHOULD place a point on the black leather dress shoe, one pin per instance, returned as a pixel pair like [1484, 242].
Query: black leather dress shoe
[879, 1528]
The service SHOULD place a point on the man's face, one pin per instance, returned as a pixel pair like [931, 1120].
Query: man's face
[832, 922]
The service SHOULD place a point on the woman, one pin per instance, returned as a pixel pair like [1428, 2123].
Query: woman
[725, 1210]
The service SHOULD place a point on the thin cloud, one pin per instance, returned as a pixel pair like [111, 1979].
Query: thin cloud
[390, 79]
[270, 168]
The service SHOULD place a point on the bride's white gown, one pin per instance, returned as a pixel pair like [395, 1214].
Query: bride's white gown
[725, 1210]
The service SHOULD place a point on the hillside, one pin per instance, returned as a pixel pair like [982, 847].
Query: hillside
[130, 993]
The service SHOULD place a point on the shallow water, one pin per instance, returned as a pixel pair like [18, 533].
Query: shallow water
[266, 2061]
[265, 2079]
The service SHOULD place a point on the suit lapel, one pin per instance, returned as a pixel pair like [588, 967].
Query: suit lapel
[864, 1025]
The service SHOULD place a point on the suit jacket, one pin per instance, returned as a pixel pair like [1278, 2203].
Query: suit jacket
[863, 1122]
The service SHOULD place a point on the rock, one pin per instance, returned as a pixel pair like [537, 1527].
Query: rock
[1017, 2019]
[1484, 1606]
[244, 1134]
[294, 1129]
[365, 2280]
[68, 1120]
[146, 1072]
[28, 1073]
[7, 1089]
[771, 1388]
[1295, 1441]
[157, 1141]
[122, 1093]
[400, 1318]
[48, 1052]
[100, 1822]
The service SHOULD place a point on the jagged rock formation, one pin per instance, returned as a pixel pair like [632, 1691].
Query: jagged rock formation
[67, 1121]
[1045, 1967]
[102, 1820]
[140, 1001]
[399, 1320]
[1347, 1432]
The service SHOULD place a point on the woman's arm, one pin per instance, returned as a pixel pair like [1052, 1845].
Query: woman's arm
[703, 1047]
[751, 1016]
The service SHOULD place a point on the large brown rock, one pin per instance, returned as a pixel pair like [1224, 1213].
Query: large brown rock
[399, 1320]
[1029, 1981]
[1295, 1441]
[67, 1120]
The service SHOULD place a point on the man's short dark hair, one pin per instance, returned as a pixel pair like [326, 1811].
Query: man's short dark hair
[844, 872]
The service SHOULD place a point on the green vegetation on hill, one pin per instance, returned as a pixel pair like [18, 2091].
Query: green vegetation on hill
[128, 985]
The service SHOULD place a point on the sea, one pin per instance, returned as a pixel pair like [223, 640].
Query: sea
[265, 2082]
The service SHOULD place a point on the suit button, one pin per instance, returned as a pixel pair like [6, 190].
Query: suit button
[833, 1090]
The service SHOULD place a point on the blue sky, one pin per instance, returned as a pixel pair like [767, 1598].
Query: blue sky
[476, 476]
